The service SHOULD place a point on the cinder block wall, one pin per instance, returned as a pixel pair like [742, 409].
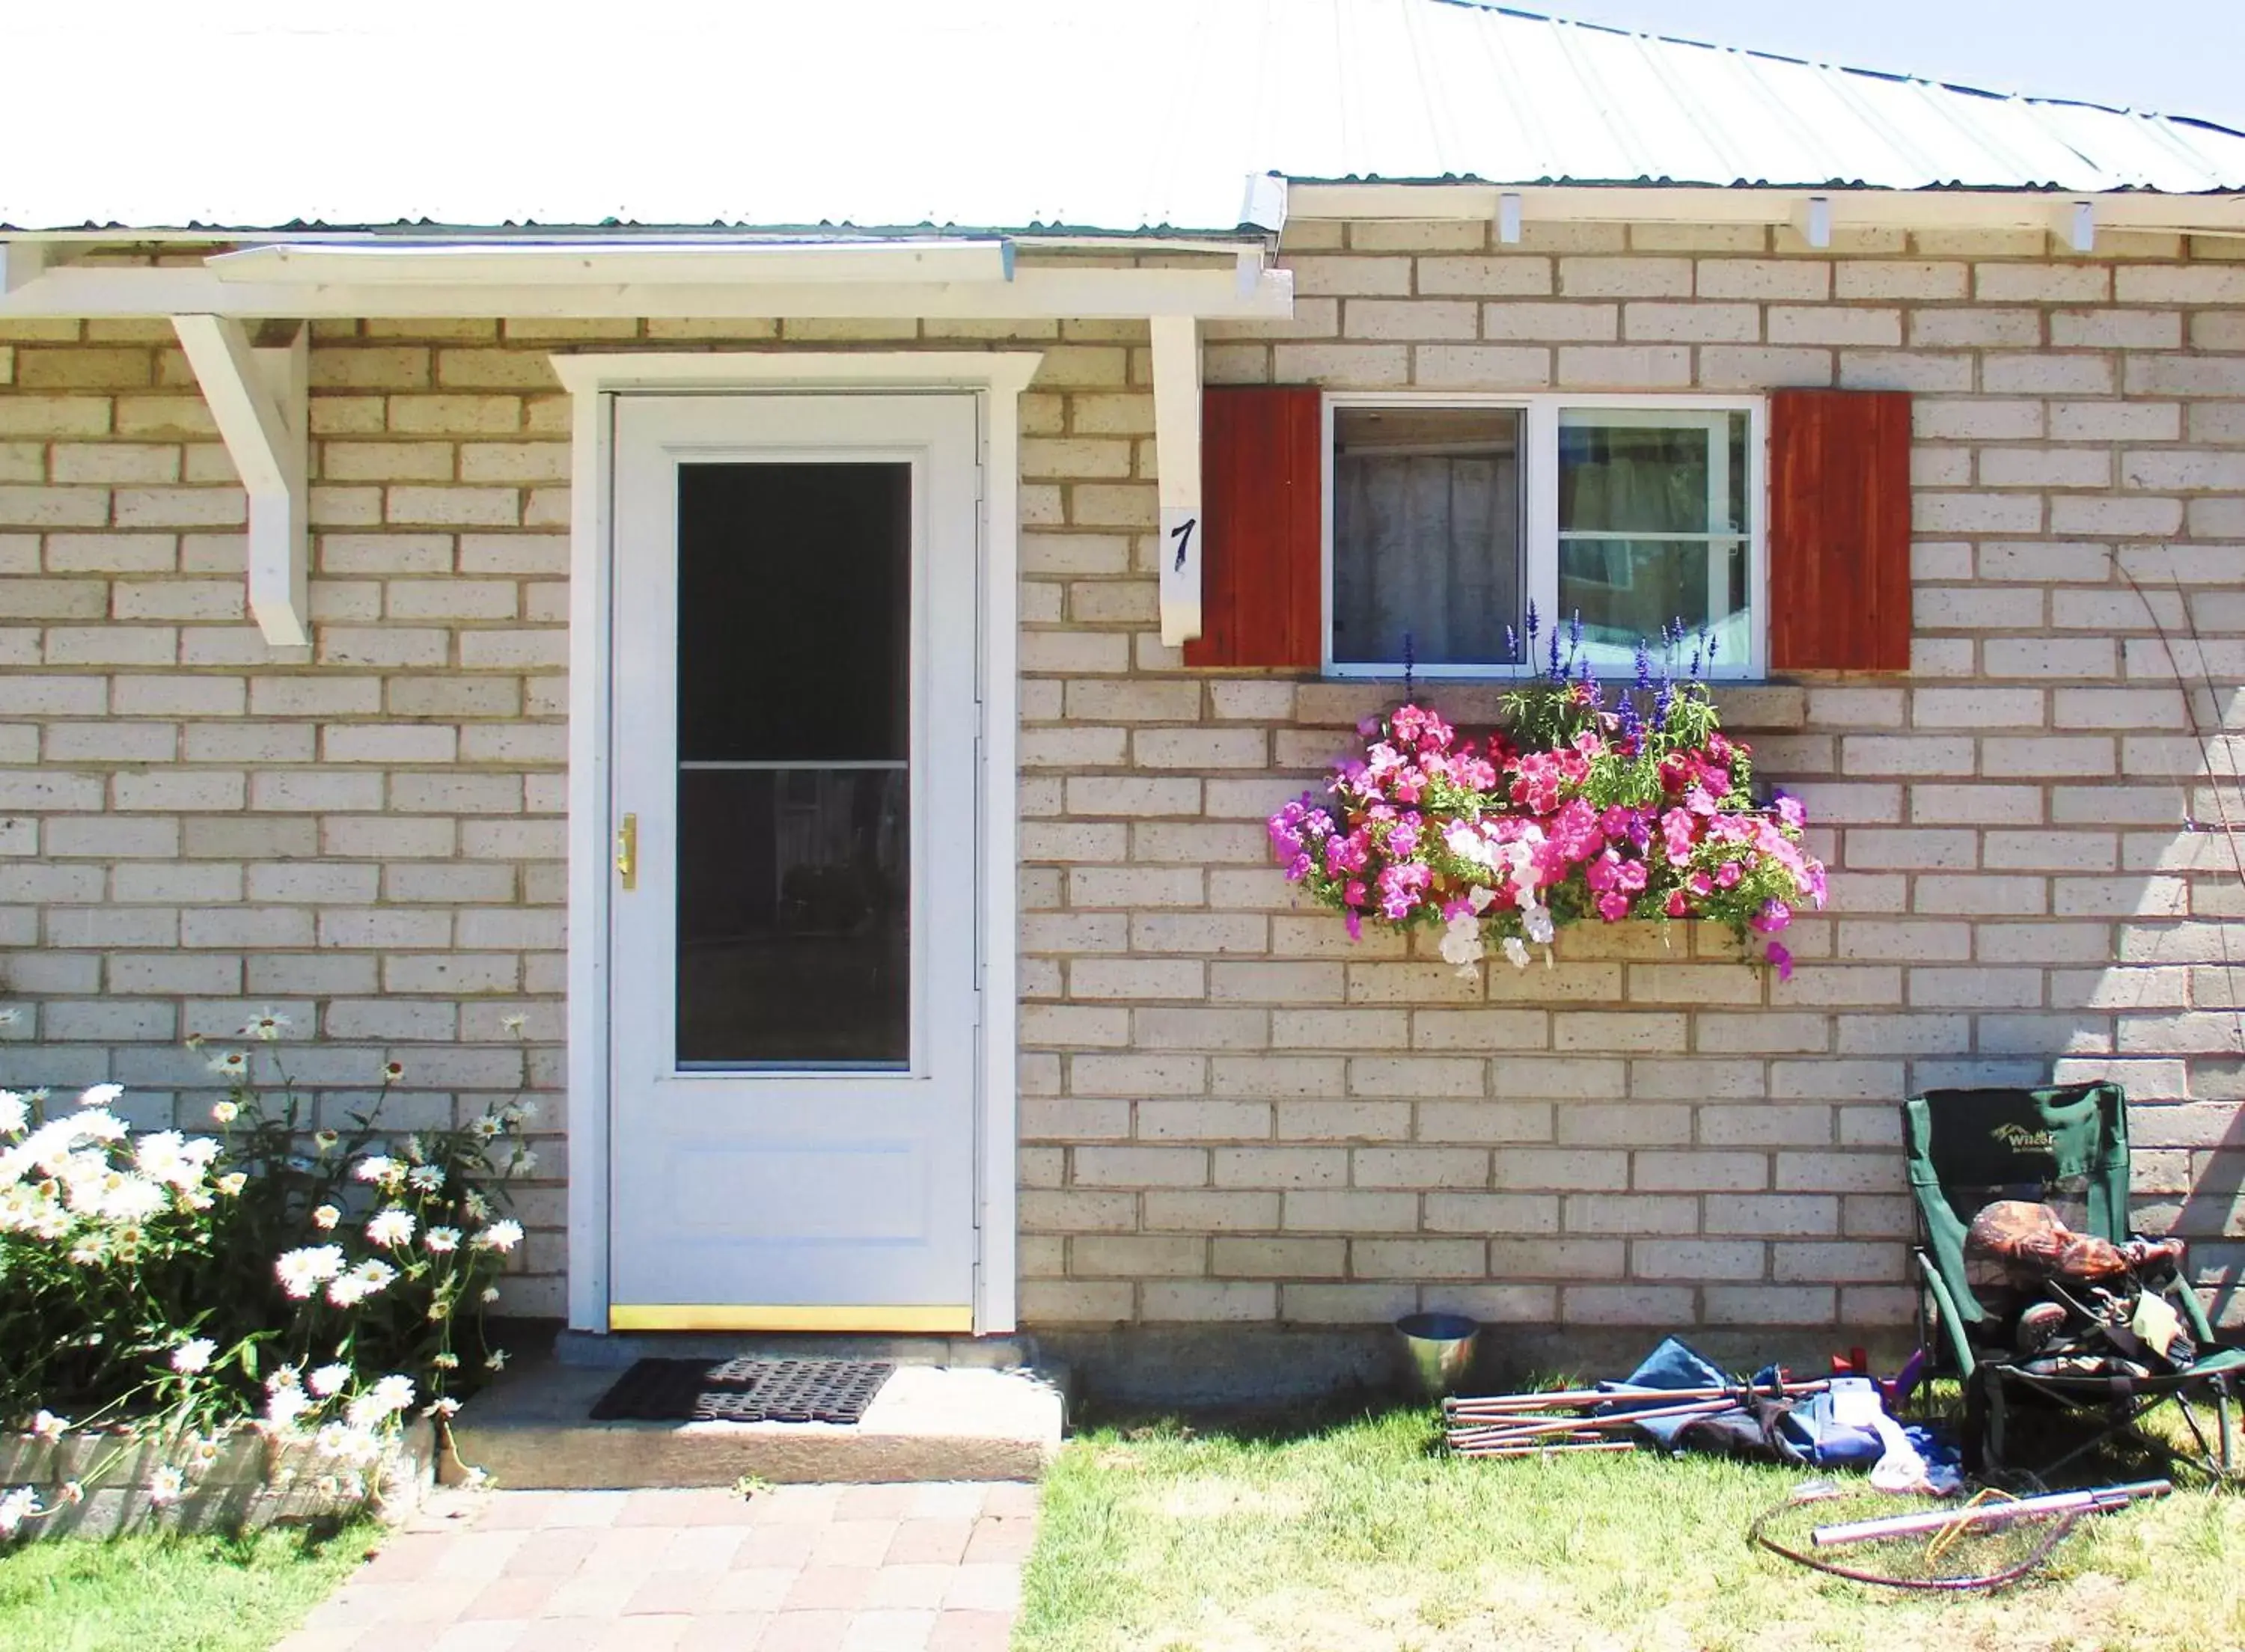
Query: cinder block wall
[1229, 1113]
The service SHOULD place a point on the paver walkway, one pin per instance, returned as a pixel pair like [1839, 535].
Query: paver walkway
[796, 1568]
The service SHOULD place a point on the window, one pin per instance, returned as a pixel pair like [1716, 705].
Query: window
[1450, 517]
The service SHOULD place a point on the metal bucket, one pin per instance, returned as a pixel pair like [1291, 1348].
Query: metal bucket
[1440, 1347]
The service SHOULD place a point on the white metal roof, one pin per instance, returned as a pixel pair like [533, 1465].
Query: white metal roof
[990, 114]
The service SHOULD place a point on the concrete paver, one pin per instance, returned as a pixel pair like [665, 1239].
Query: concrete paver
[796, 1569]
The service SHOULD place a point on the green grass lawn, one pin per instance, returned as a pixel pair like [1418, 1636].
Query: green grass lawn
[162, 1593]
[1362, 1536]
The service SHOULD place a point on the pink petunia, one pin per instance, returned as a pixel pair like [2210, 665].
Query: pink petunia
[1613, 906]
[1781, 959]
[1773, 916]
[1678, 904]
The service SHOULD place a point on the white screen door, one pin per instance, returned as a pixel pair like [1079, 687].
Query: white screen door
[793, 928]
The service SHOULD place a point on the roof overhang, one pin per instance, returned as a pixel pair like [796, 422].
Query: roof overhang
[716, 278]
[1840, 206]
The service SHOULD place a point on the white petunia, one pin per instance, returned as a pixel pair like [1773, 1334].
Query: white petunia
[501, 1236]
[302, 1270]
[391, 1228]
[1515, 952]
[48, 1426]
[99, 1095]
[441, 1240]
[193, 1356]
[1461, 943]
[328, 1379]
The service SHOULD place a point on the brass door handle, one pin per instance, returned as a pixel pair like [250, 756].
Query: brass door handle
[628, 851]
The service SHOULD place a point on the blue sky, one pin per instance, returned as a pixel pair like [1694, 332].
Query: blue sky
[2175, 56]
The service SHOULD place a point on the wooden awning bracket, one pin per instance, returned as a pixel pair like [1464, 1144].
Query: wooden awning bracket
[259, 397]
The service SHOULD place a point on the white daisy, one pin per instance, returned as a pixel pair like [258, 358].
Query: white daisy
[193, 1356]
[99, 1095]
[391, 1228]
[15, 1508]
[361, 1282]
[284, 1406]
[302, 1270]
[165, 1485]
[325, 1217]
[441, 1240]
[501, 1236]
[328, 1379]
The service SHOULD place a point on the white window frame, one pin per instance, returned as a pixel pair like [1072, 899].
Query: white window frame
[1539, 478]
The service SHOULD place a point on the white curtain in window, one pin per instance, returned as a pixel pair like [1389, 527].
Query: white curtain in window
[1426, 548]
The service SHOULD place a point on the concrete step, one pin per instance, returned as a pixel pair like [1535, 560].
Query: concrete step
[532, 1429]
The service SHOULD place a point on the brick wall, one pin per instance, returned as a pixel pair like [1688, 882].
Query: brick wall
[1232, 1113]
[1229, 1113]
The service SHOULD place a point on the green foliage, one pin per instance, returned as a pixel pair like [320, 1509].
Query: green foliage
[164, 1285]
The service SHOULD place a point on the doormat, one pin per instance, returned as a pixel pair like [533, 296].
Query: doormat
[744, 1391]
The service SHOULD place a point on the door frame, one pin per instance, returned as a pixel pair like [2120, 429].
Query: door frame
[996, 380]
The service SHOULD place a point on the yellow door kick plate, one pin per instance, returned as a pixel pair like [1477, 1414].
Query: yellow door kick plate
[786, 1316]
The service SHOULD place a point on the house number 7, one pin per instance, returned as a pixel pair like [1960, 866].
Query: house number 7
[1182, 534]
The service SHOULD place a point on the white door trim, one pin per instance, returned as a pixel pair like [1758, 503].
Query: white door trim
[997, 378]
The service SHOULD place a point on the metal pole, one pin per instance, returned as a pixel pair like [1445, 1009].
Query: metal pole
[2088, 1502]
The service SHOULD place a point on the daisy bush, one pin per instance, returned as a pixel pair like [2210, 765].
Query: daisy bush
[322, 1284]
[1587, 806]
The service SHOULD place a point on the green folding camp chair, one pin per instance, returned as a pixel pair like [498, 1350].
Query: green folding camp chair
[2068, 1147]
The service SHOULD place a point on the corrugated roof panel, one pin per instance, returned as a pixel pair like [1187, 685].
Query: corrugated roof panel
[976, 113]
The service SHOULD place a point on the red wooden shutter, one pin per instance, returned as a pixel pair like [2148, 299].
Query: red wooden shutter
[1839, 530]
[1262, 584]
